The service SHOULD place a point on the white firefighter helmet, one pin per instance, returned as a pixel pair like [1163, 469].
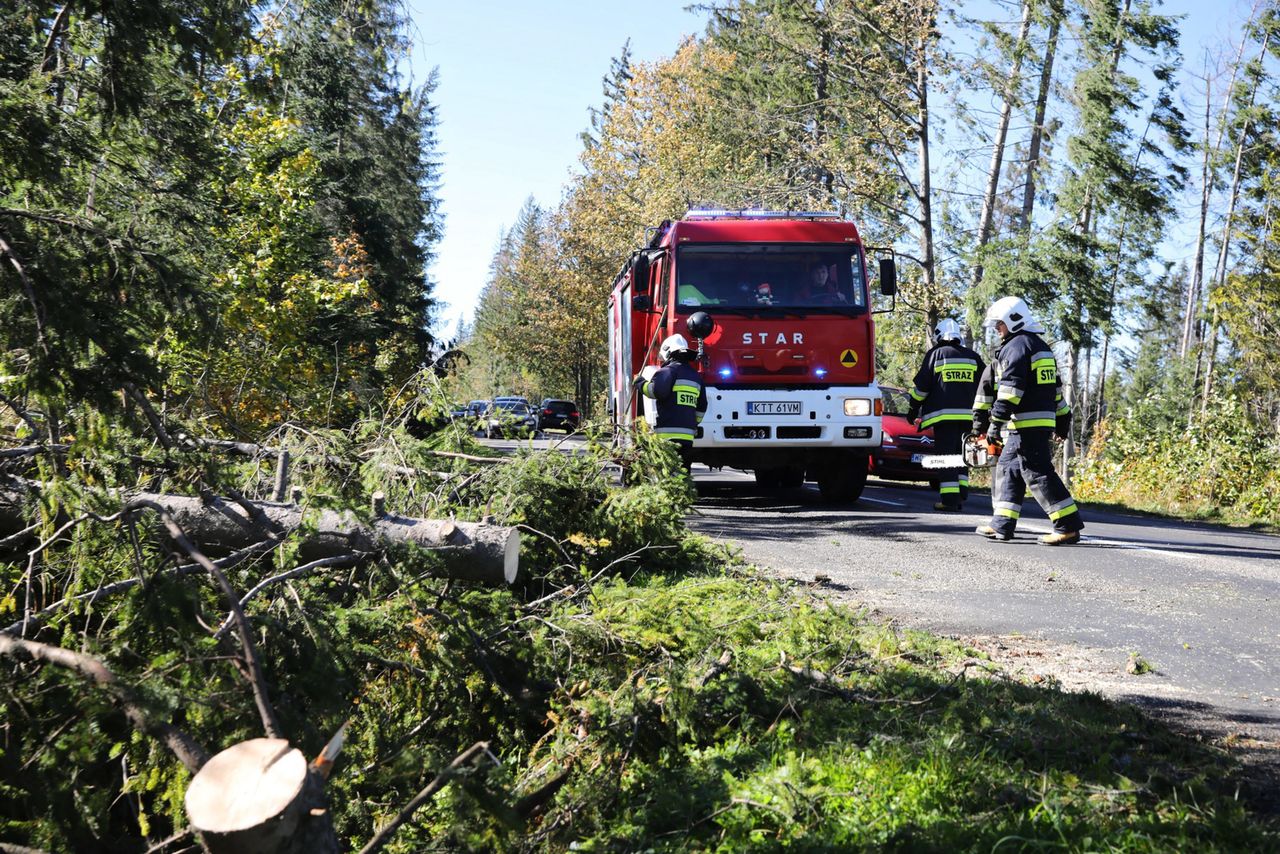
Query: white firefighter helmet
[1015, 315]
[675, 344]
[946, 330]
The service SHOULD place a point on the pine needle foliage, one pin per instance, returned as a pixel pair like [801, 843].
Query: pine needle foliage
[640, 689]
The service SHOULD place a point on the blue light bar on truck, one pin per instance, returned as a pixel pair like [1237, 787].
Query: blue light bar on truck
[720, 213]
[725, 372]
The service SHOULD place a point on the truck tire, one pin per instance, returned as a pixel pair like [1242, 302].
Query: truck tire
[769, 478]
[792, 477]
[842, 480]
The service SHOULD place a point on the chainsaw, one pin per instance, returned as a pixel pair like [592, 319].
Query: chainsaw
[976, 452]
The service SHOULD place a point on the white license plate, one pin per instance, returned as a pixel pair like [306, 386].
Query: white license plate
[774, 407]
[915, 458]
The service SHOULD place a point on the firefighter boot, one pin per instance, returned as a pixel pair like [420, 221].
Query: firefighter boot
[992, 534]
[1060, 538]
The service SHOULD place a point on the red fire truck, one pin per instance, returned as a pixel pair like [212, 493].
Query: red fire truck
[779, 306]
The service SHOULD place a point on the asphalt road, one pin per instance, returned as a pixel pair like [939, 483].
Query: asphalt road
[1199, 603]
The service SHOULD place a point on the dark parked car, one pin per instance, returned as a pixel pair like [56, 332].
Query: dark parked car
[556, 414]
[902, 445]
[510, 418]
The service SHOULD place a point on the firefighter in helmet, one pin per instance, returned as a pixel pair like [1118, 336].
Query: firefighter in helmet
[679, 393]
[1028, 409]
[942, 397]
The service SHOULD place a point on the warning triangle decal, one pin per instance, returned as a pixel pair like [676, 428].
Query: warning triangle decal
[848, 358]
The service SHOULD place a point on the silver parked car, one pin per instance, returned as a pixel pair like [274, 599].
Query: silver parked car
[508, 417]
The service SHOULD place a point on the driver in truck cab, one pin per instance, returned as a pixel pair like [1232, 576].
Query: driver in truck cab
[820, 286]
[679, 394]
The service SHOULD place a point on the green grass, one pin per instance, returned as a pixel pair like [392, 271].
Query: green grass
[823, 729]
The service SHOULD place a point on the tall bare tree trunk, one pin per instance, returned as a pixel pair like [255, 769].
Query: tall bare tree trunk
[925, 193]
[1010, 94]
[1197, 270]
[1191, 325]
[1037, 128]
[1224, 248]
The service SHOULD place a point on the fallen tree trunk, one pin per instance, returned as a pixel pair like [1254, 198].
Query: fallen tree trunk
[470, 551]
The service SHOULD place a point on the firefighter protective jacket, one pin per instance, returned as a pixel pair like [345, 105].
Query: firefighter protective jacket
[985, 397]
[946, 382]
[1028, 390]
[681, 398]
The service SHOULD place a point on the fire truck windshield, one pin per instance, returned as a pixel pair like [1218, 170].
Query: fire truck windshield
[760, 276]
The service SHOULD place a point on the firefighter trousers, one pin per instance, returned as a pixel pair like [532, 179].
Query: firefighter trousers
[1027, 461]
[953, 484]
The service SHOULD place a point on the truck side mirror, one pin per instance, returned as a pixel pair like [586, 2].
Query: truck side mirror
[888, 277]
[640, 273]
[641, 302]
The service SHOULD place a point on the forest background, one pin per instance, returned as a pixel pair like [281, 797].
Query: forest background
[1044, 149]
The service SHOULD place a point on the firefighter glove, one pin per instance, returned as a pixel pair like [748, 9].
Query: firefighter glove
[979, 427]
[1062, 426]
[638, 381]
[913, 412]
[993, 435]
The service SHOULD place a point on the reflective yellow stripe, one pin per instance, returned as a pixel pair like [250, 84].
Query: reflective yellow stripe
[946, 415]
[1008, 514]
[1065, 511]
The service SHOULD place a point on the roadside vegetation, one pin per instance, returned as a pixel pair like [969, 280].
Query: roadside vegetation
[638, 688]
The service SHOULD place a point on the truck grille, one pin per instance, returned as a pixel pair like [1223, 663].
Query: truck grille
[786, 371]
[799, 432]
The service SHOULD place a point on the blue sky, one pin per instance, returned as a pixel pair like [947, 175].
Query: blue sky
[516, 81]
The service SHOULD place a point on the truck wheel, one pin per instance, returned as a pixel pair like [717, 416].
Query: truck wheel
[770, 478]
[792, 477]
[844, 478]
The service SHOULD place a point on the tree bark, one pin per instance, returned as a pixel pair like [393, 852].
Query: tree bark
[1037, 128]
[470, 551]
[1224, 248]
[925, 193]
[1192, 306]
[260, 797]
[997, 146]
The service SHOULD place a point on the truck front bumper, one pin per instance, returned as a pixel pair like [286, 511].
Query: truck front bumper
[800, 418]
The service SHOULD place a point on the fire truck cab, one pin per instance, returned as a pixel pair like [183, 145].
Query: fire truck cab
[780, 308]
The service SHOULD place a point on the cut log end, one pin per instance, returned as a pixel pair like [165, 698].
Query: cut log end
[260, 797]
[511, 556]
[245, 786]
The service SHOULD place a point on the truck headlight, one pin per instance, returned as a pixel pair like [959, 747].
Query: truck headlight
[857, 406]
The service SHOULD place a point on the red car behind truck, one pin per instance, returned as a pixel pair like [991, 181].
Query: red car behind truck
[779, 306]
